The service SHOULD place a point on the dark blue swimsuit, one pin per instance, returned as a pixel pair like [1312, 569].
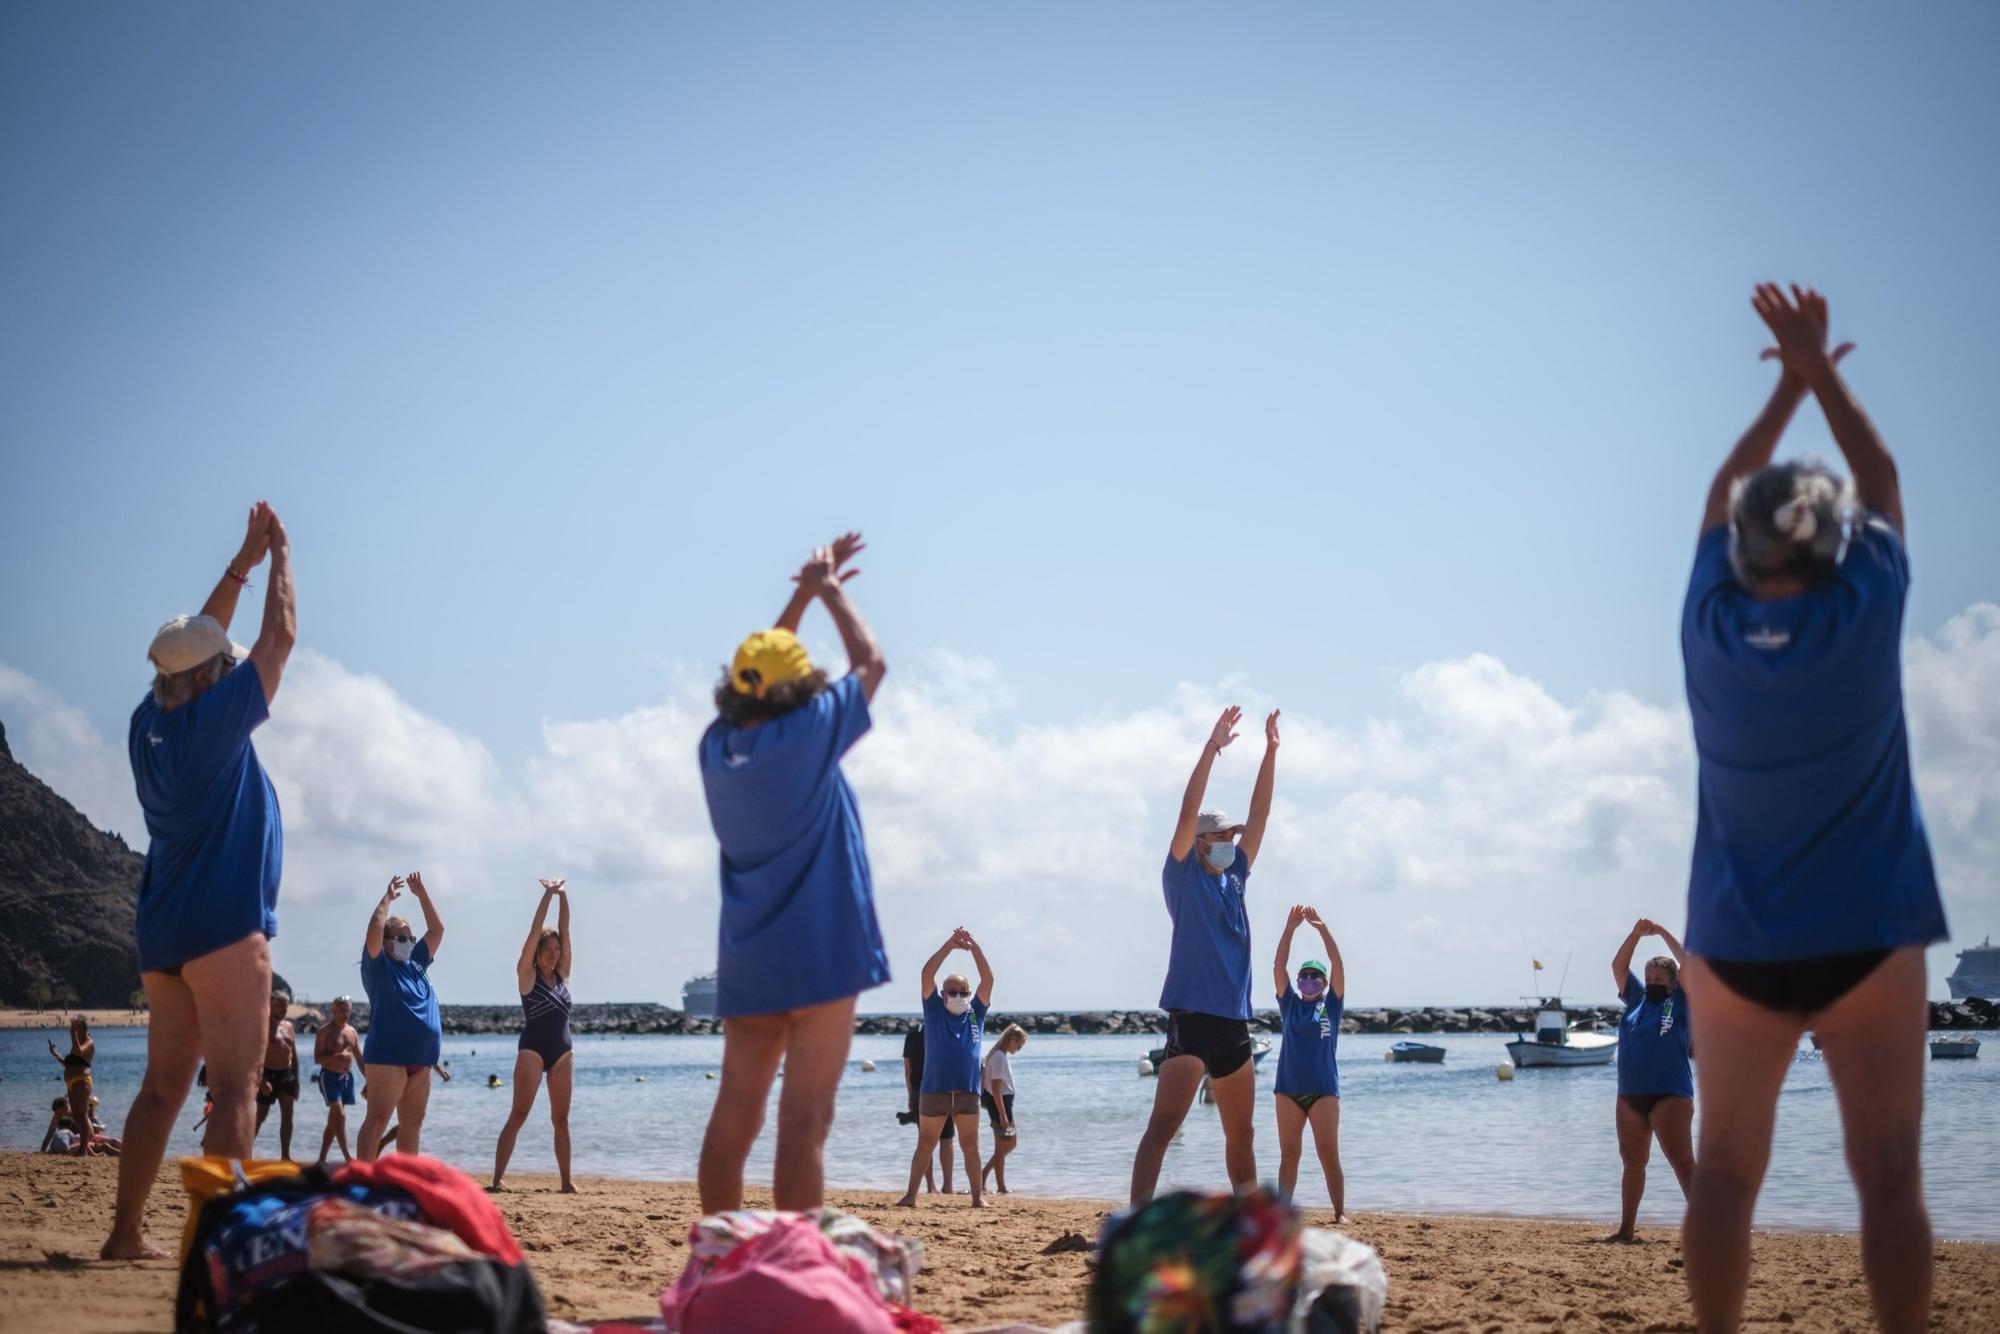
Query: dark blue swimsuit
[546, 1032]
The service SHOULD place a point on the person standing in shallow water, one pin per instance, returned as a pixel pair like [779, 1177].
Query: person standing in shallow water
[1207, 993]
[281, 1073]
[1811, 894]
[545, 1046]
[1308, 1084]
[798, 939]
[335, 1049]
[208, 893]
[1655, 1082]
[954, 1019]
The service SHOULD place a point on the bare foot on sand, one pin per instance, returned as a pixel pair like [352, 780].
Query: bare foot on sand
[907, 1202]
[978, 1202]
[130, 1248]
[569, 1188]
[1623, 1238]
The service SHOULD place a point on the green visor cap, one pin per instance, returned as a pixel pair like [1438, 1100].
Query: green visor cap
[1314, 966]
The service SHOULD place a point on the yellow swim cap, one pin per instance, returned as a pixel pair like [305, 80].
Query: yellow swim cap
[768, 658]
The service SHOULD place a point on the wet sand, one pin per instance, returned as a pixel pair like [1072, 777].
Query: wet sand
[606, 1253]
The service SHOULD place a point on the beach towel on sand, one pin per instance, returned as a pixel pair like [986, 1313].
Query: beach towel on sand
[758, 1269]
[1220, 1264]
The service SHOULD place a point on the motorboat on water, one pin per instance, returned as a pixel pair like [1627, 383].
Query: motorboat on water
[1557, 1041]
[1954, 1049]
[1421, 1053]
[1978, 972]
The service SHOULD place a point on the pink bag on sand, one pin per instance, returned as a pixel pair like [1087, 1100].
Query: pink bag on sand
[790, 1278]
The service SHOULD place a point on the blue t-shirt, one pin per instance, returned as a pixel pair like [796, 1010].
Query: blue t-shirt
[1311, 1037]
[951, 1046]
[1653, 1042]
[1808, 839]
[798, 906]
[1208, 968]
[216, 846]
[403, 1024]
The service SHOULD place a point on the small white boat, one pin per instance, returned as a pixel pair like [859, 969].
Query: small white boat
[1556, 1041]
[1954, 1049]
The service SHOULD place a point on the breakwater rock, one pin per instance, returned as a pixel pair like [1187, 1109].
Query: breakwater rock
[648, 1019]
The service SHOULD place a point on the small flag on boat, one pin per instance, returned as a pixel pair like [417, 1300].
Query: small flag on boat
[1538, 965]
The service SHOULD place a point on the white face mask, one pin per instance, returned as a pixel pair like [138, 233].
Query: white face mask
[401, 950]
[958, 1004]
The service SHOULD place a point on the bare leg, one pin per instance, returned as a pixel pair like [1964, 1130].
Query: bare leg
[928, 1130]
[968, 1145]
[560, 1085]
[384, 1089]
[410, 1109]
[335, 1133]
[1236, 1100]
[285, 1103]
[527, 1082]
[173, 1050]
[1173, 1094]
[1291, 1143]
[997, 1164]
[1635, 1146]
[1673, 1126]
[1873, 1042]
[944, 1163]
[211, 1011]
[1745, 1052]
[752, 1045]
[1325, 1121]
[815, 1059]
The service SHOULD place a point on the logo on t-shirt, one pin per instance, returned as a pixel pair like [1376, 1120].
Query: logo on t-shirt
[1767, 638]
[1325, 1024]
[1666, 1018]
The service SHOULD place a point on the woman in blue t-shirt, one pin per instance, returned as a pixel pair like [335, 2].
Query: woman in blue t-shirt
[1811, 896]
[954, 1018]
[405, 1032]
[1308, 1088]
[1655, 1085]
[1207, 993]
[798, 939]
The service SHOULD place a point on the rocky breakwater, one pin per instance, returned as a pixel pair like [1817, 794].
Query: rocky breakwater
[616, 1017]
[1977, 1012]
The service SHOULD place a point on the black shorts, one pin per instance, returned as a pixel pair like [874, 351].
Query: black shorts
[1797, 986]
[1644, 1103]
[284, 1083]
[993, 1108]
[1222, 1045]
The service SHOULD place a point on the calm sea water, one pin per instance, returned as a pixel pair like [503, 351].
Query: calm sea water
[1436, 1139]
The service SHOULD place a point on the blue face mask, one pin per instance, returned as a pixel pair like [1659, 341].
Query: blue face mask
[1220, 855]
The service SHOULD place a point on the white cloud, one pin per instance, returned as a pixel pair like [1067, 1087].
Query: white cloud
[1480, 820]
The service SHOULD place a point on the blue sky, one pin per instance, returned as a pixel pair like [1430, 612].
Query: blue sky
[1161, 351]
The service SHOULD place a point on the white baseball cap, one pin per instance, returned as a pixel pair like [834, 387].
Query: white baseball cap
[186, 642]
[1214, 822]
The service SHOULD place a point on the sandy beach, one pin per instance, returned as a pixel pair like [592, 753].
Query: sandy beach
[606, 1253]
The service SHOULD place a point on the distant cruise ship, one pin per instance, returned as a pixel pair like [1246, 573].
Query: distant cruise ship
[1978, 972]
[698, 996]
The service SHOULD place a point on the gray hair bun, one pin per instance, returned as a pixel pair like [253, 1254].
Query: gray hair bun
[1788, 521]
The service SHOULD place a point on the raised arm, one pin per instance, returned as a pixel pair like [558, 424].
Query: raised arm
[281, 614]
[825, 577]
[1260, 796]
[1219, 736]
[1673, 946]
[1281, 967]
[371, 943]
[562, 926]
[984, 990]
[221, 604]
[433, 924]
[1876, 484]
[1336, 976]
[935, 962]
[524, 970]
[1621, 962]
